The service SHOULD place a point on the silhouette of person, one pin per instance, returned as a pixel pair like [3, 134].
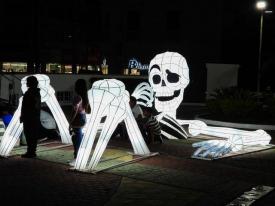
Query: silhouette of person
[30, 116]
[80, 106]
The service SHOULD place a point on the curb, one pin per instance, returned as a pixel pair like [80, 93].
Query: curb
[236, 125]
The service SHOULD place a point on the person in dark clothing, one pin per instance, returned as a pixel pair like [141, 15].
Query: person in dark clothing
[30, 116]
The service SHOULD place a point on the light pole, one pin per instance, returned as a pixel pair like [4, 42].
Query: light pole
[261, 6]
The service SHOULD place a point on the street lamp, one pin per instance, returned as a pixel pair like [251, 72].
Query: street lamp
[261, 6]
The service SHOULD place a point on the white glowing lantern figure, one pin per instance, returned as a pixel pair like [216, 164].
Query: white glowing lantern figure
[169, 76]
[15, 128]
[107, 98]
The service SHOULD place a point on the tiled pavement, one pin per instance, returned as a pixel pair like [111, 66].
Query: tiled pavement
[171, 178]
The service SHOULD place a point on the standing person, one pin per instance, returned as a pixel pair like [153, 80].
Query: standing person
[30, 116]
[78, 120]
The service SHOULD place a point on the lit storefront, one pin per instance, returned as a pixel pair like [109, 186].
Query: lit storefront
[54, 68]
[14, 67]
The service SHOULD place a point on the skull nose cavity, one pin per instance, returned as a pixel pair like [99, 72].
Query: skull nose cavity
[163, 83]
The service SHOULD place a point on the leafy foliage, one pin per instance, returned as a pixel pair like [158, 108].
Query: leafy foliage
[239, 105]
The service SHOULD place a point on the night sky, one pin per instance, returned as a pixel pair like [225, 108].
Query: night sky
[55, 19]
[241, 40]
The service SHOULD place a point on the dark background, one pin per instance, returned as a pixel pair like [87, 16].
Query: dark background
[84, 32]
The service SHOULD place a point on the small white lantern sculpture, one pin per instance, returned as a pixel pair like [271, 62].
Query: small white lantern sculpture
[107, 98]
[169, 76]
[15, 128]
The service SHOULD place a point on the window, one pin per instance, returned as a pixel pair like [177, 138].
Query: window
[14, 67]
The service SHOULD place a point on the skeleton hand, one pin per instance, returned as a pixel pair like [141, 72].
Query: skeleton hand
[48, 95]
[216, 148]
[15, 128]
[144, 94]
[107, 98]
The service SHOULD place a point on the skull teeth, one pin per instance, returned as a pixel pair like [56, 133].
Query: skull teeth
[165, 94]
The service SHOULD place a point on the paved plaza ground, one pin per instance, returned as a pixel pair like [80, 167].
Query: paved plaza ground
[170, 178]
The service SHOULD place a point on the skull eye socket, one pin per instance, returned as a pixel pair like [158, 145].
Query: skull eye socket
[172, 77]
[156, 79]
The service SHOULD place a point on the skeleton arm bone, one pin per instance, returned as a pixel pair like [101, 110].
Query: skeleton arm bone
[247, 137]
[236, 139]
[170, 128]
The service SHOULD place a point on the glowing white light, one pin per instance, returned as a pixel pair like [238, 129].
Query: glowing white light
[169, 76]
[144, 94]
[237, 139]
[15, 128]
[107, 98]
[261, 5]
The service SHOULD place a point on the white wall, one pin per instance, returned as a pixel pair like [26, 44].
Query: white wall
[60, 82]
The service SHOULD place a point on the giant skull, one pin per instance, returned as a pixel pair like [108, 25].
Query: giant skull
[168, 76]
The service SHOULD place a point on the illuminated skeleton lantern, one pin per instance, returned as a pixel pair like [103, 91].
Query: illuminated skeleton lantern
[168, 76]
[15, 128]
[108, 98]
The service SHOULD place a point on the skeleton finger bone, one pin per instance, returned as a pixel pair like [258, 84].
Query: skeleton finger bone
[138, 143]
[12, 132]
[100, 100]
[117, 111]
